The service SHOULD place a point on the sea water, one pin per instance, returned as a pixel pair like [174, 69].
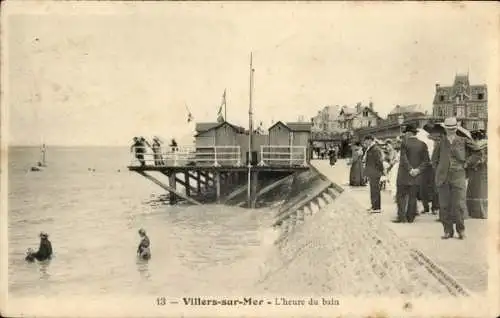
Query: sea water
[92, 207]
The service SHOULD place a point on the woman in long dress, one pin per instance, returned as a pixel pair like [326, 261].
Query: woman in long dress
[477, 187]
[356, 173]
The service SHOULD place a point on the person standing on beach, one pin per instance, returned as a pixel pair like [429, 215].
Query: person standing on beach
[374, 170]
[413, 161]
[449, 160]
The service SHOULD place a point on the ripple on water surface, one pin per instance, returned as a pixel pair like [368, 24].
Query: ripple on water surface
[92, 219]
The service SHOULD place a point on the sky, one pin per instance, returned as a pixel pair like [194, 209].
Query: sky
[101, 73]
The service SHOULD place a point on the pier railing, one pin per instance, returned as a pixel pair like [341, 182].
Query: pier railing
[187, 155]
[274, 155]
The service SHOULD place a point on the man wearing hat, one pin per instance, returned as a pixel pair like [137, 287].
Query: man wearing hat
[373, 170]
[449, 159]
[413, 162]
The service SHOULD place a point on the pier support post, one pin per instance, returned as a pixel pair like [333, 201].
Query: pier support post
[198, 181]
[254, 187]
[173, 185]
[217, 185]
[187, 185]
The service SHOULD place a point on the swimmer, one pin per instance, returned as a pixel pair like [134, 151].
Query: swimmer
[143, 251]
[44, 251]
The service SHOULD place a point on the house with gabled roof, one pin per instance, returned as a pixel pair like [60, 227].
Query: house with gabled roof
[326, 119]
[358, 117]
[468, 103]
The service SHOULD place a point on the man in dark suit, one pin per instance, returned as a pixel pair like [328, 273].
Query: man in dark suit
[413, 162]
[449, 160]
[374, 170]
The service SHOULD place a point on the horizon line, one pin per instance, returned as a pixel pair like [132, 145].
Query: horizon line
[67, 145]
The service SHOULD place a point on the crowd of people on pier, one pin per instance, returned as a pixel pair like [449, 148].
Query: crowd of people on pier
[140, 148]
[442, 165]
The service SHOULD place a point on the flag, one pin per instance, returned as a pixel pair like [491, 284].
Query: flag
[220, 116]
[190, 116]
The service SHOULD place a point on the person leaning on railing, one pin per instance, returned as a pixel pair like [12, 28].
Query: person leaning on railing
[157, 151]
[173, 145]
[138, 149]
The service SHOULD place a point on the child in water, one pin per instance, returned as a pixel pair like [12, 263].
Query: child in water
[44, 251]
[143, 251]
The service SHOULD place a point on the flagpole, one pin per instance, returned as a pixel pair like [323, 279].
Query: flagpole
[250, 132]
[225, 105]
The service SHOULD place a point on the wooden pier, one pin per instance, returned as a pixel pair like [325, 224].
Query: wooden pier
[200, 178]
[227, 164]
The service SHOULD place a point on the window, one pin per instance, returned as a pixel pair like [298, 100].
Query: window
[480, 96]
[441, 98]
[475, 125]
[369, 123]
[365, 113]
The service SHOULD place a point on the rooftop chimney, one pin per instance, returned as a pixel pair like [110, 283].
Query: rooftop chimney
[370, 105]
[437, 86]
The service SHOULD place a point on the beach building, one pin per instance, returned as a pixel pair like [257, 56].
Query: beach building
[288, 144]
[218, 143]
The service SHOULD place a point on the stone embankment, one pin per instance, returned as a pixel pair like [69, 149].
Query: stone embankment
[329, 244]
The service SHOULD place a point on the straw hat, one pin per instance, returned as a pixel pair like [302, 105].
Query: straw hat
[450, 123]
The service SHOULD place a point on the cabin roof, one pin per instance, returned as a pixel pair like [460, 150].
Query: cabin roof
[294, 126]
[204, 127]
[299, 126]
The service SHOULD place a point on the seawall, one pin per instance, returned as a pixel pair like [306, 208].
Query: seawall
[329, 244]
